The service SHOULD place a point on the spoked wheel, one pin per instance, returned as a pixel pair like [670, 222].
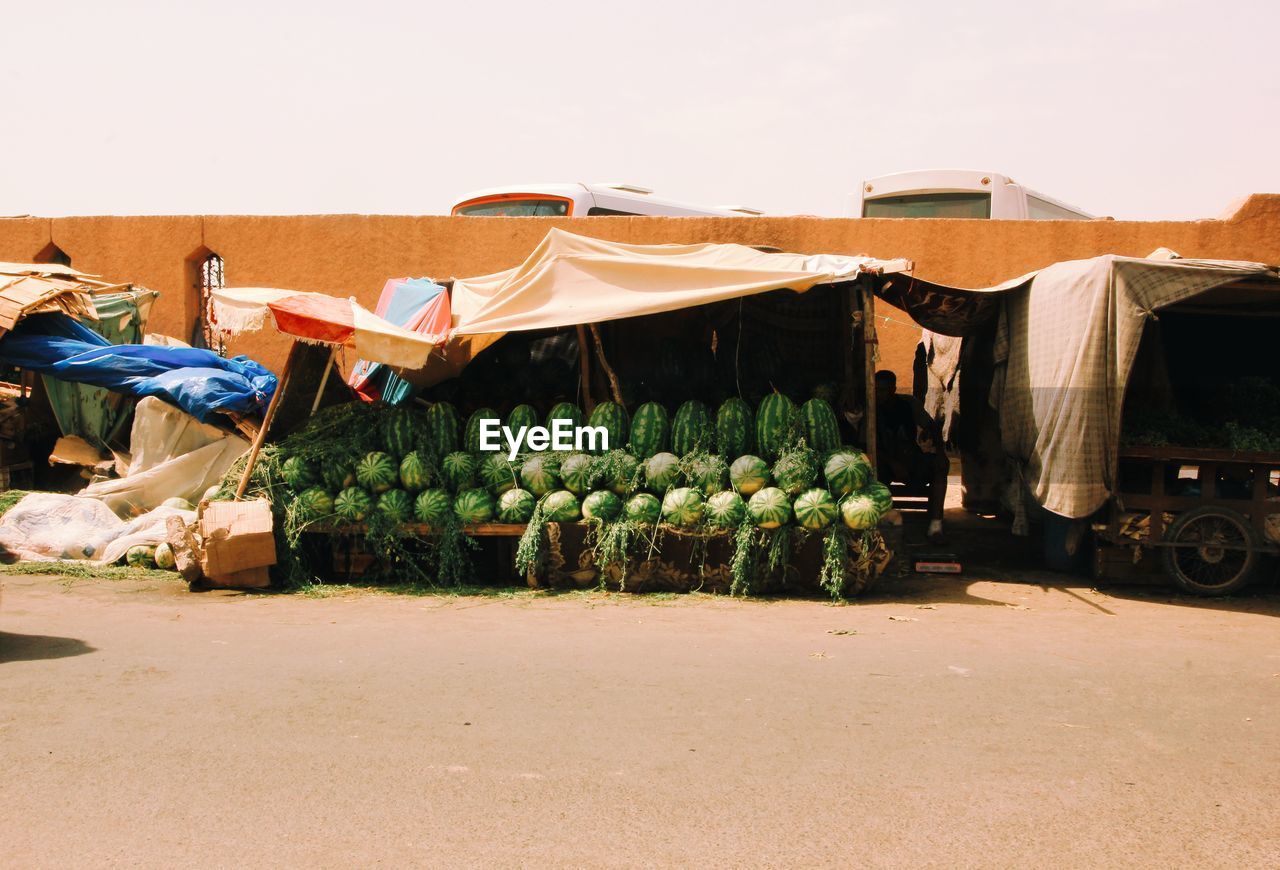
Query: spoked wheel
[1214, 551]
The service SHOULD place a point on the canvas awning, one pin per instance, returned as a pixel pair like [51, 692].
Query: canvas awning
[40, 288]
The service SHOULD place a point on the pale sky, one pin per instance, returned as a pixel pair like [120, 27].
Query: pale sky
[1139, 109]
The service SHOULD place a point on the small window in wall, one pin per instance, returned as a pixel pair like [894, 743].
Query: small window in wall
[210, 275]
[51, 253]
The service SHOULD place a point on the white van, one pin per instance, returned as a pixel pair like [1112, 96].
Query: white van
[958, 193]
[583, 200]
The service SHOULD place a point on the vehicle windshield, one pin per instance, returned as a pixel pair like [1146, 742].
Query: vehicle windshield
[517, 208]
[929, 205]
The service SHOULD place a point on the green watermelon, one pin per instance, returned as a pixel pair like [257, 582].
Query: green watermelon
[523, 417]
[601, 505]
[650, 430]
[577, 470]
[726, 510]
[498, 473]
[860, 511]
[749, 475]
[352, 505]
[314, 503]
[471, 436]
[775, 421]
[820, 427]
[565, 411]
[561, 506]
[541, 474]
[377, 472]
[691, 429]
[613, 417]
[459, 471]
[178, 504]
[644, 508]
[395, 504]
[298, 473]
[880, 494]
[337, 476]
[662, 472]
[815, 509]
[683, 506]
[140, 556]
[400, 428]
[735, 428]
[413, 472]
[516, 506]
[441, 427]
[164, 557]
[432, 507]
[796, 470]
[623, 469]
[474, 506]
[846, 471]
[769, 508]
[709, 474]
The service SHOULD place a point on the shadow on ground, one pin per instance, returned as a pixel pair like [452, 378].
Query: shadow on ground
[38, 647]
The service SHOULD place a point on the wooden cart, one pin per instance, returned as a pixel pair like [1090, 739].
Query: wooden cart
[1204, 512]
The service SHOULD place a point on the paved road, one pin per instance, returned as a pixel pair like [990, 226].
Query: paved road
[952, 724]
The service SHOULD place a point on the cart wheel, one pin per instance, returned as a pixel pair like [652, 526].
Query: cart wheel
[1214, 552]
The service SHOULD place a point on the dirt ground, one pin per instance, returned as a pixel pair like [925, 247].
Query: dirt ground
[942, 722]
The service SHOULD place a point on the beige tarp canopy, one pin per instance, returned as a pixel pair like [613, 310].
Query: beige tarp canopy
[1065, 346]
[37, 288]
[571, 279]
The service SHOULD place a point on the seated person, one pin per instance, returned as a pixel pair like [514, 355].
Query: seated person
[909, 448]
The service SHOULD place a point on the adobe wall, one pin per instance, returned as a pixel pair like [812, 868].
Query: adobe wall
[355, 254]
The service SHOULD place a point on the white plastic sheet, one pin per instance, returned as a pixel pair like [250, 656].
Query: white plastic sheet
[47, 527]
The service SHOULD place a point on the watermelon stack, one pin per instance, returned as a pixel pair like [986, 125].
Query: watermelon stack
[414, 476]
[441, 429]
[726, 510]
[650, 431]
[541, 474]
[396, 505]
[314, 503]
[846, 471]
[602, 505]
[352, 505]
[473, 506]
[683, 507]
[562, 506]
[471, 436]
[298, 473]
[661, 473]
[522, 417]
[691, 430]
[775, 421]
[498, 473]
[516, 506]
[400, 431]
[612, 417]
[432, 507]
[769, 508]
[735, 428]
[815, 509]
[749, 475]
[820, 427]
[458, 470]
[644, 508]
[377, 472]
[565, 411]
[577, 470]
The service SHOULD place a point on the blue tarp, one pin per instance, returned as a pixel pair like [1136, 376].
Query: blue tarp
[198, 381]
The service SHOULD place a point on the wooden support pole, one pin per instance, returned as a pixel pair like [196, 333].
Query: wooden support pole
[281, 383]
[324, 380]
[604, 364]
[584, 369]
[870, 355]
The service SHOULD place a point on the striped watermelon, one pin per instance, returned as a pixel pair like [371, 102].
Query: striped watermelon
[414, 475]
[691, 429]
[726, 510]
[337, 476]
[602, 505]
[820, 427]
[613, 417]
[314, 503]
[662, 472]
[846, 471]
[749, 475]
[735, 428]
[498, 473]
[815, 509]
[433, 507]
[396, 504]
[473, 506]
[880, 494]
[523, 416]
[299, 473]
[796, 470]
[165, 560]
[623, 470]
[141, 556]
[683, 506]
[516, 506]
[775, 419]
[377, 472]
[650, 430]
[458, 470]
[769, 508]
[471, 436]
[709, 474]
[565, 411]
[400, 428]
[352, 505]
[441, 428]
[562, 506]
[861, 511]
[541, 474]
[577, 470]
[644, 508]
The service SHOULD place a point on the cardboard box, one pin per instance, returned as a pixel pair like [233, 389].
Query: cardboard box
[249, 578]
[237, 536]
